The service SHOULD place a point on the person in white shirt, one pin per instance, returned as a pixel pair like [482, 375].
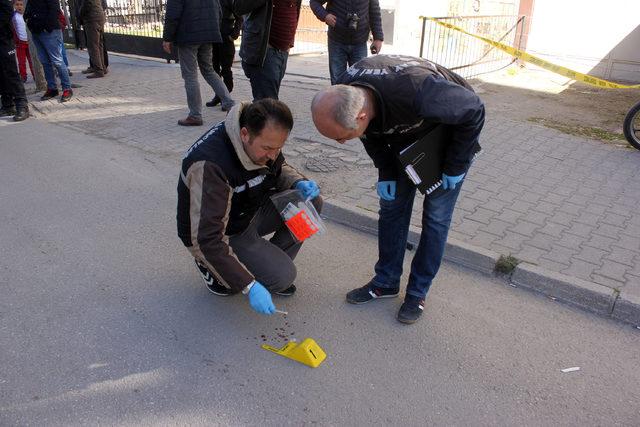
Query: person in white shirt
[22, 40]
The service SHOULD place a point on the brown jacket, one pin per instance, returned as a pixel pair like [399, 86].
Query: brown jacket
[220, 190]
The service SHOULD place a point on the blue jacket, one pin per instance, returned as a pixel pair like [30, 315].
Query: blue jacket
[413, 96]
[192, 22]
[367, 10]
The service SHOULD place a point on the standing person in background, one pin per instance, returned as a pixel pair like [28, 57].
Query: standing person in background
[63, 26]
[12, 96]
[268, 33]
[193, 26]
[42, 19]
[93, 19]
[350, 22]
[21, 40]
[223, 53]
[105, 54]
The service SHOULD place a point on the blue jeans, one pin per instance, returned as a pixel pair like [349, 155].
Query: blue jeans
[64, 55]
[50, 55]
[265, 80]
[342, 56]
[393, 228]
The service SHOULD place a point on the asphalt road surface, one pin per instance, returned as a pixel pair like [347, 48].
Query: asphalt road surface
[104, 320]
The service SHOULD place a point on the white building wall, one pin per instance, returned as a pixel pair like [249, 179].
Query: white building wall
[595, 37]
[408, 26]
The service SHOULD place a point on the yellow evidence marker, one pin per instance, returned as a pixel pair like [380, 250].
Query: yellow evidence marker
[307, 352]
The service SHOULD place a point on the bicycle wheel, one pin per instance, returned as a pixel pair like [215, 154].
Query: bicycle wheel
[631, 126]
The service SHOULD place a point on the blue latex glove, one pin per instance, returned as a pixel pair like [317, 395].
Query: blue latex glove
[308, 188]
[260, 299]
[386, 190]
[450, 182]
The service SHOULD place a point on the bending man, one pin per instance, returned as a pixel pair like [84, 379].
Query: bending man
[389, 102]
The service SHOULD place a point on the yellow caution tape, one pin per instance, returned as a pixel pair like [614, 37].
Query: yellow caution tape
[524, 56]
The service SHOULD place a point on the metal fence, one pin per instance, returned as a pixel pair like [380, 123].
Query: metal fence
[143, 18]
[467, 55]
[135, 26]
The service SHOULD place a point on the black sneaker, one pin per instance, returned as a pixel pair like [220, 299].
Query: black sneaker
[215, 101]
[21, 114]
[8, 111]
[411, 309]
[50, 93]
[211, 282]
[287, 292]
[370, 292]
[66, 95]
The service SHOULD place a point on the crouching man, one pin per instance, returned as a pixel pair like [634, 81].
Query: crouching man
[224, 205]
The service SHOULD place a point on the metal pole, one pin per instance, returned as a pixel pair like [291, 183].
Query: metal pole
[424, 23]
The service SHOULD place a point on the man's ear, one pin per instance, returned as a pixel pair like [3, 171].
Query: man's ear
[362, 115]
[244, 135]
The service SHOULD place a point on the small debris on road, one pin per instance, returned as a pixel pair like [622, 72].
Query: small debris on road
[576, 368]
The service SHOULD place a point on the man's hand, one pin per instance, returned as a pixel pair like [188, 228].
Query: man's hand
[166, 46]
[386, 190]
[260, 299]
[309, 189]
[330, 19]
[376, 46]
[450, 182]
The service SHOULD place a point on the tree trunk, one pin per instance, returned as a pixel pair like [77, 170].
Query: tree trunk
[38, 71]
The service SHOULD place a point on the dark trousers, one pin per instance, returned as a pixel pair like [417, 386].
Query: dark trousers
[270, 261]
[105, 53]
[393, 229]
[223, 54]
[11, 87]
[95, 35]
[265, 80]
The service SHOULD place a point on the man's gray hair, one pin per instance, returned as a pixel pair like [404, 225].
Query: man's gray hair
[349, 101]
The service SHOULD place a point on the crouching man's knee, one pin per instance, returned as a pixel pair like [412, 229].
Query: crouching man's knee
[284, 276]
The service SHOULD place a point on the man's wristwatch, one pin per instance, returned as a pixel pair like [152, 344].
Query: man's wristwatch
[247, 288]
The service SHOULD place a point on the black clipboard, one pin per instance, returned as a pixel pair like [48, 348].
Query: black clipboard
[423, 160]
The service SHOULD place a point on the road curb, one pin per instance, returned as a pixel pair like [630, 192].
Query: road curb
[580, 293]
[627, 309]
[577, 292]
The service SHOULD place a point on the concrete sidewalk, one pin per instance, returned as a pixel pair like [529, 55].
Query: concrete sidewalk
[563, 205]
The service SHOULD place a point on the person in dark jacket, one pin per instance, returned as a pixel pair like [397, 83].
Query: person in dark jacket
[93, 19]
[223, 53]
[268, 32]
[41, 17]
[224, 206]
[77, 5]
[192, 26]
[390, 102]
[12, 95]
[350, 23]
